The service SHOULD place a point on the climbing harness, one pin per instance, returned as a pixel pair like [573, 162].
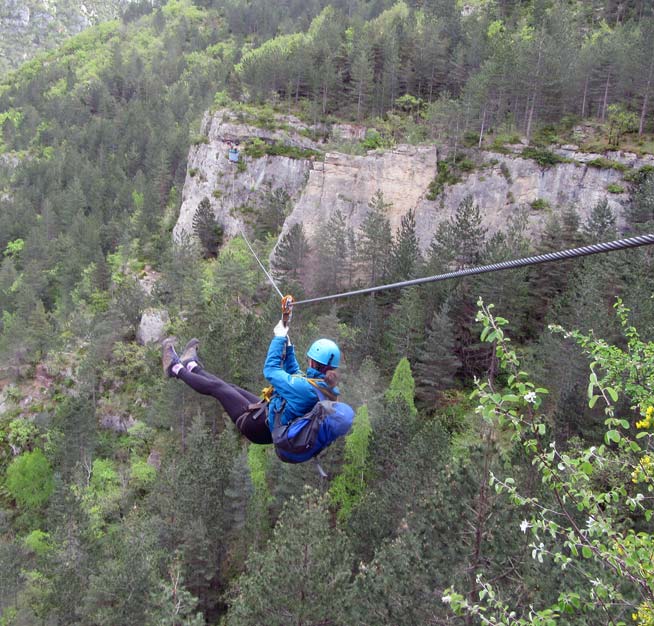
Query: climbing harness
[597, 248]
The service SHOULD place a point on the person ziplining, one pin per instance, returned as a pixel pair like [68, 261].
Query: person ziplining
[299, 413]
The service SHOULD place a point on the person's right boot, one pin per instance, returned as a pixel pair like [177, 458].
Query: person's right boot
[190, 353]
[169, 357]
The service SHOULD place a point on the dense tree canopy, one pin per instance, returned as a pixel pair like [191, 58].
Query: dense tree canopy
[126, 498]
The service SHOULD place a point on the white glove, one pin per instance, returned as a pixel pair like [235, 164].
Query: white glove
[280, 330]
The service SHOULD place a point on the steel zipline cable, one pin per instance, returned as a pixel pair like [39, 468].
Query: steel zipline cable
[596, 248]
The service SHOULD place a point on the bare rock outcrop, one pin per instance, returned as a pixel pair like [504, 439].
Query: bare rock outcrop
[153, 325]
[501, 184]
[210, 173]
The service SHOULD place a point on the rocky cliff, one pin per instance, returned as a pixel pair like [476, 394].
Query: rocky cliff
[500, 183]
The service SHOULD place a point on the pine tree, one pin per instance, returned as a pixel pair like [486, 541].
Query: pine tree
[206, 228]
[172, 604]
[402, 385]
[368, 324]
[274, 207]
[297, 576]
[406, 258]
[601, 223]
[406, 325]
[459, 242]
[361, 73]
[290, 253]
[331, 244]
[549, 282]
[374, 241]
[116, 591]
[437, 362]
[349, 486]
[640, 210]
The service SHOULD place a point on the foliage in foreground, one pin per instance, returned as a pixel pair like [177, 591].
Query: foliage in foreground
[597, 521]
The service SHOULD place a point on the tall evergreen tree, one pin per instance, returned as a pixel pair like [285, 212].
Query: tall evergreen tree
[406, 325]
[332, 250]
[374, 241]
[206, 228]
[406, 258]
[290, 253]
[437, 362]
[296, 578]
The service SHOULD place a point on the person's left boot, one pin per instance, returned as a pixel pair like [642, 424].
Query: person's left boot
[190, 353]
[169, 357]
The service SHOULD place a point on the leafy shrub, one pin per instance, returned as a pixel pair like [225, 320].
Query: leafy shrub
[546, 136]
[30, 480]
[544, 158]
[607, 164]
[449, 172]
[615, 188]
[470, 139]
[141, 474]
[446, 174]
[373, 140]
[256, 148]
[540, 204]
[637, 176]
[611, 553]
[504, 170]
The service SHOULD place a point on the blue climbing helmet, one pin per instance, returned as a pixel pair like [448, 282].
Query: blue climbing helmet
[325, 352]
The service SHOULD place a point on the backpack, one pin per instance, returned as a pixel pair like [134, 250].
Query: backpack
[294, 442]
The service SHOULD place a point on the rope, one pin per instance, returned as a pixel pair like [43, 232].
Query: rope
[254, 254]
[265, 271]
[596, 248]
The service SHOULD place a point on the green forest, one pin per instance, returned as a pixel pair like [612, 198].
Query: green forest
[500, 469]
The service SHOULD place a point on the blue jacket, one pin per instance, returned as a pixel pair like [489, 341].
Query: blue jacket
[300, 395]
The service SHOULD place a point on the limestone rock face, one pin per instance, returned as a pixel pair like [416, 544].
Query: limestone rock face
[212, 175]
[153, 326]
[347, 183]
[501, 184]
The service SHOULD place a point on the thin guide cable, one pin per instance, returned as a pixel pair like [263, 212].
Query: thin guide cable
[265, 271]
[596, 248]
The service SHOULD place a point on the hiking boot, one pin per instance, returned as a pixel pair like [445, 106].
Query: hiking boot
[168, 356]
[190, 353]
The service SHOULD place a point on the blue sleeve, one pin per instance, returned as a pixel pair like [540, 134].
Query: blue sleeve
[294, 389]
[290, 364]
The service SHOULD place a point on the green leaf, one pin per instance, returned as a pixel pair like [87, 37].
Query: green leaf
[592, 401]
[613, 393]
[586, 468]
[613, 435]
[586, 552]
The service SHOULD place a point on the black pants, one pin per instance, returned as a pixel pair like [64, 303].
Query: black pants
[234, 400]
